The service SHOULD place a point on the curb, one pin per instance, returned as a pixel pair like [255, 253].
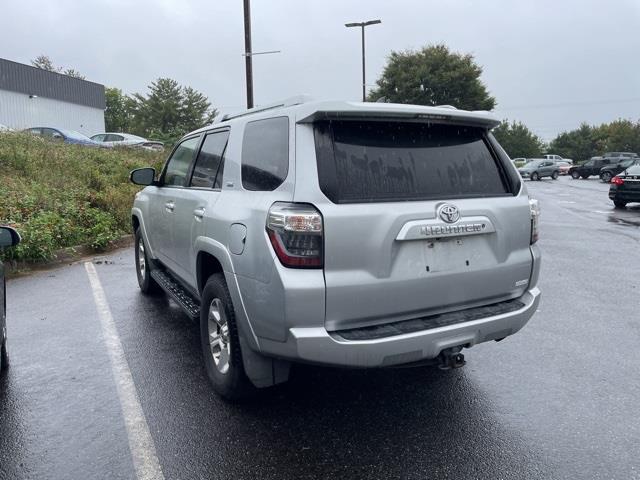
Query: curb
[64, 256]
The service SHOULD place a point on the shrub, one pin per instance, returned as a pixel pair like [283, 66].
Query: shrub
[60, 195]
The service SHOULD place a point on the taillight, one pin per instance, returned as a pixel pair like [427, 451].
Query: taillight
[534, 208]
[295, 231]
[617, 180]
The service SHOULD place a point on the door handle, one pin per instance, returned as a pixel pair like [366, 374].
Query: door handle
[198, 213]
[169, 206]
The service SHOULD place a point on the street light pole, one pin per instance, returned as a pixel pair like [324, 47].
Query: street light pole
[362, 25]
[248, 53]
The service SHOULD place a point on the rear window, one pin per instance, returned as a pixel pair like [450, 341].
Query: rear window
[395, 161]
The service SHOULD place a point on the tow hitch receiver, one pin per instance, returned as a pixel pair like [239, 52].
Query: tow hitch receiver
[451, 358]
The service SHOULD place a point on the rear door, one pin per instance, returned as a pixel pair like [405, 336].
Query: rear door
[419, 218]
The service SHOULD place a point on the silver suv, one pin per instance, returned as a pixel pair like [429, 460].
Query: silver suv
[335, 233]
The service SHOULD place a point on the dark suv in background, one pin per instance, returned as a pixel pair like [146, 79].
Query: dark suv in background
[610, 171]
[591, 167]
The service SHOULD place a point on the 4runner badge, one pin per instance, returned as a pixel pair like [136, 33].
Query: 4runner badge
[449, 213]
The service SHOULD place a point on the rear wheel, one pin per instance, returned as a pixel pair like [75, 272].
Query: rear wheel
[575, 175]
[605, 177]
[143, 266]
[535, 176]
[619, 203]
[555, 175]
[221, 342]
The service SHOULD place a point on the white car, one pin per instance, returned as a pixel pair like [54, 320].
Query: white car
[4, 128]
[127, 140]
[558, 158]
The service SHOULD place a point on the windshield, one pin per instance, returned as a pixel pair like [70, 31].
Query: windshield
[75, 135]
[531, 163]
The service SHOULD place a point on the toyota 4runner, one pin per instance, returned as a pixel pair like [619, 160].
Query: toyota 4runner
[343, 234]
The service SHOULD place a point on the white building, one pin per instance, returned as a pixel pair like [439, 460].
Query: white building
[32, 97]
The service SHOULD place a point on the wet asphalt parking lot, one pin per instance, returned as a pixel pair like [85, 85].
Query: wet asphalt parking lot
[560, 399]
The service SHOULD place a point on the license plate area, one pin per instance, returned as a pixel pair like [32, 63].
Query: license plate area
[456, 254]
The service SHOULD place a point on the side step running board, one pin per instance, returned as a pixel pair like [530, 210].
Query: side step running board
[183, 298]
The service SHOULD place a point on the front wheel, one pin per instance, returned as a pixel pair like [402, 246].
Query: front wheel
[555, 175]
[535, 176]
[143, 266]
[619, 203]
[605, 177]
[575, 175]
[221, 342]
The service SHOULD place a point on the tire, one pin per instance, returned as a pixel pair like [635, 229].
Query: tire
[619, 203]
[575, 175]
[148, 285]
[555, 175]
[222, 357]
[535, 176]
[606, 177]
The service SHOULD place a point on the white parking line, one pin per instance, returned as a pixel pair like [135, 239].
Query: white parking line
[143, 451]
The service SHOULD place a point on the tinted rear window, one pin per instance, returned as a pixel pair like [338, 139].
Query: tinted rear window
[394, 161]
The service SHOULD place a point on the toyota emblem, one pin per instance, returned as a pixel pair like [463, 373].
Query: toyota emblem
[449, 213]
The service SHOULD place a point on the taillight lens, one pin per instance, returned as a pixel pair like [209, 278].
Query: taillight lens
[617, 180]
[296, 234]
[534, 208]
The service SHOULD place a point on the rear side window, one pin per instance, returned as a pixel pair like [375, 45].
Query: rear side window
[396, 161]
[178, 165]
[265, 154]
[208, 169]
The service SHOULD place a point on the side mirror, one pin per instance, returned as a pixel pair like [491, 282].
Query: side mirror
[8, 237]
[143, 176]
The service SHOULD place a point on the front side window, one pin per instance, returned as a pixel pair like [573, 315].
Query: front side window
[265, 154]
[178, 165]
[207, 172]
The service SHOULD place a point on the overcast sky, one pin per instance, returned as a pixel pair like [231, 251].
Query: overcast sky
[550, 63]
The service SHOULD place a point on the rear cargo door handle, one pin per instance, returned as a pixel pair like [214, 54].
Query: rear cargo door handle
[198, 213]
[169, 206]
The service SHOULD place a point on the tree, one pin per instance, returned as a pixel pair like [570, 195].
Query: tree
[44, 62]
[169, 110]
[433, 76]
[517, 140]
[580, 144]
[117, 114]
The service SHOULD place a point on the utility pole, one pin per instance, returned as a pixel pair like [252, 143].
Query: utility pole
[247, 53]
[362, 25]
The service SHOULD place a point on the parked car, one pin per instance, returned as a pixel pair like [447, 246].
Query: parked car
[557, 158]
[536, 168]
[563, 166]
[296, 251]
[8, 238]
[590, 167]
[126, 140]
[4, 128]
[610, 171]
[625, 187]
[63, 135]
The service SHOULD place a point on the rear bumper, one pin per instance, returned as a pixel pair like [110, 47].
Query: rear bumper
[316, 345]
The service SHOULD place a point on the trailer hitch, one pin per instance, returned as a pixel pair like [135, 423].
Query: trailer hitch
[451, 358]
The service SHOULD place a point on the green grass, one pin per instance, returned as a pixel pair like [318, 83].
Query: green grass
[59, 195]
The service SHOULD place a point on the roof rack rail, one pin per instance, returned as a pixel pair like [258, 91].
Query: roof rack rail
[287, 102]
[450, 107]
